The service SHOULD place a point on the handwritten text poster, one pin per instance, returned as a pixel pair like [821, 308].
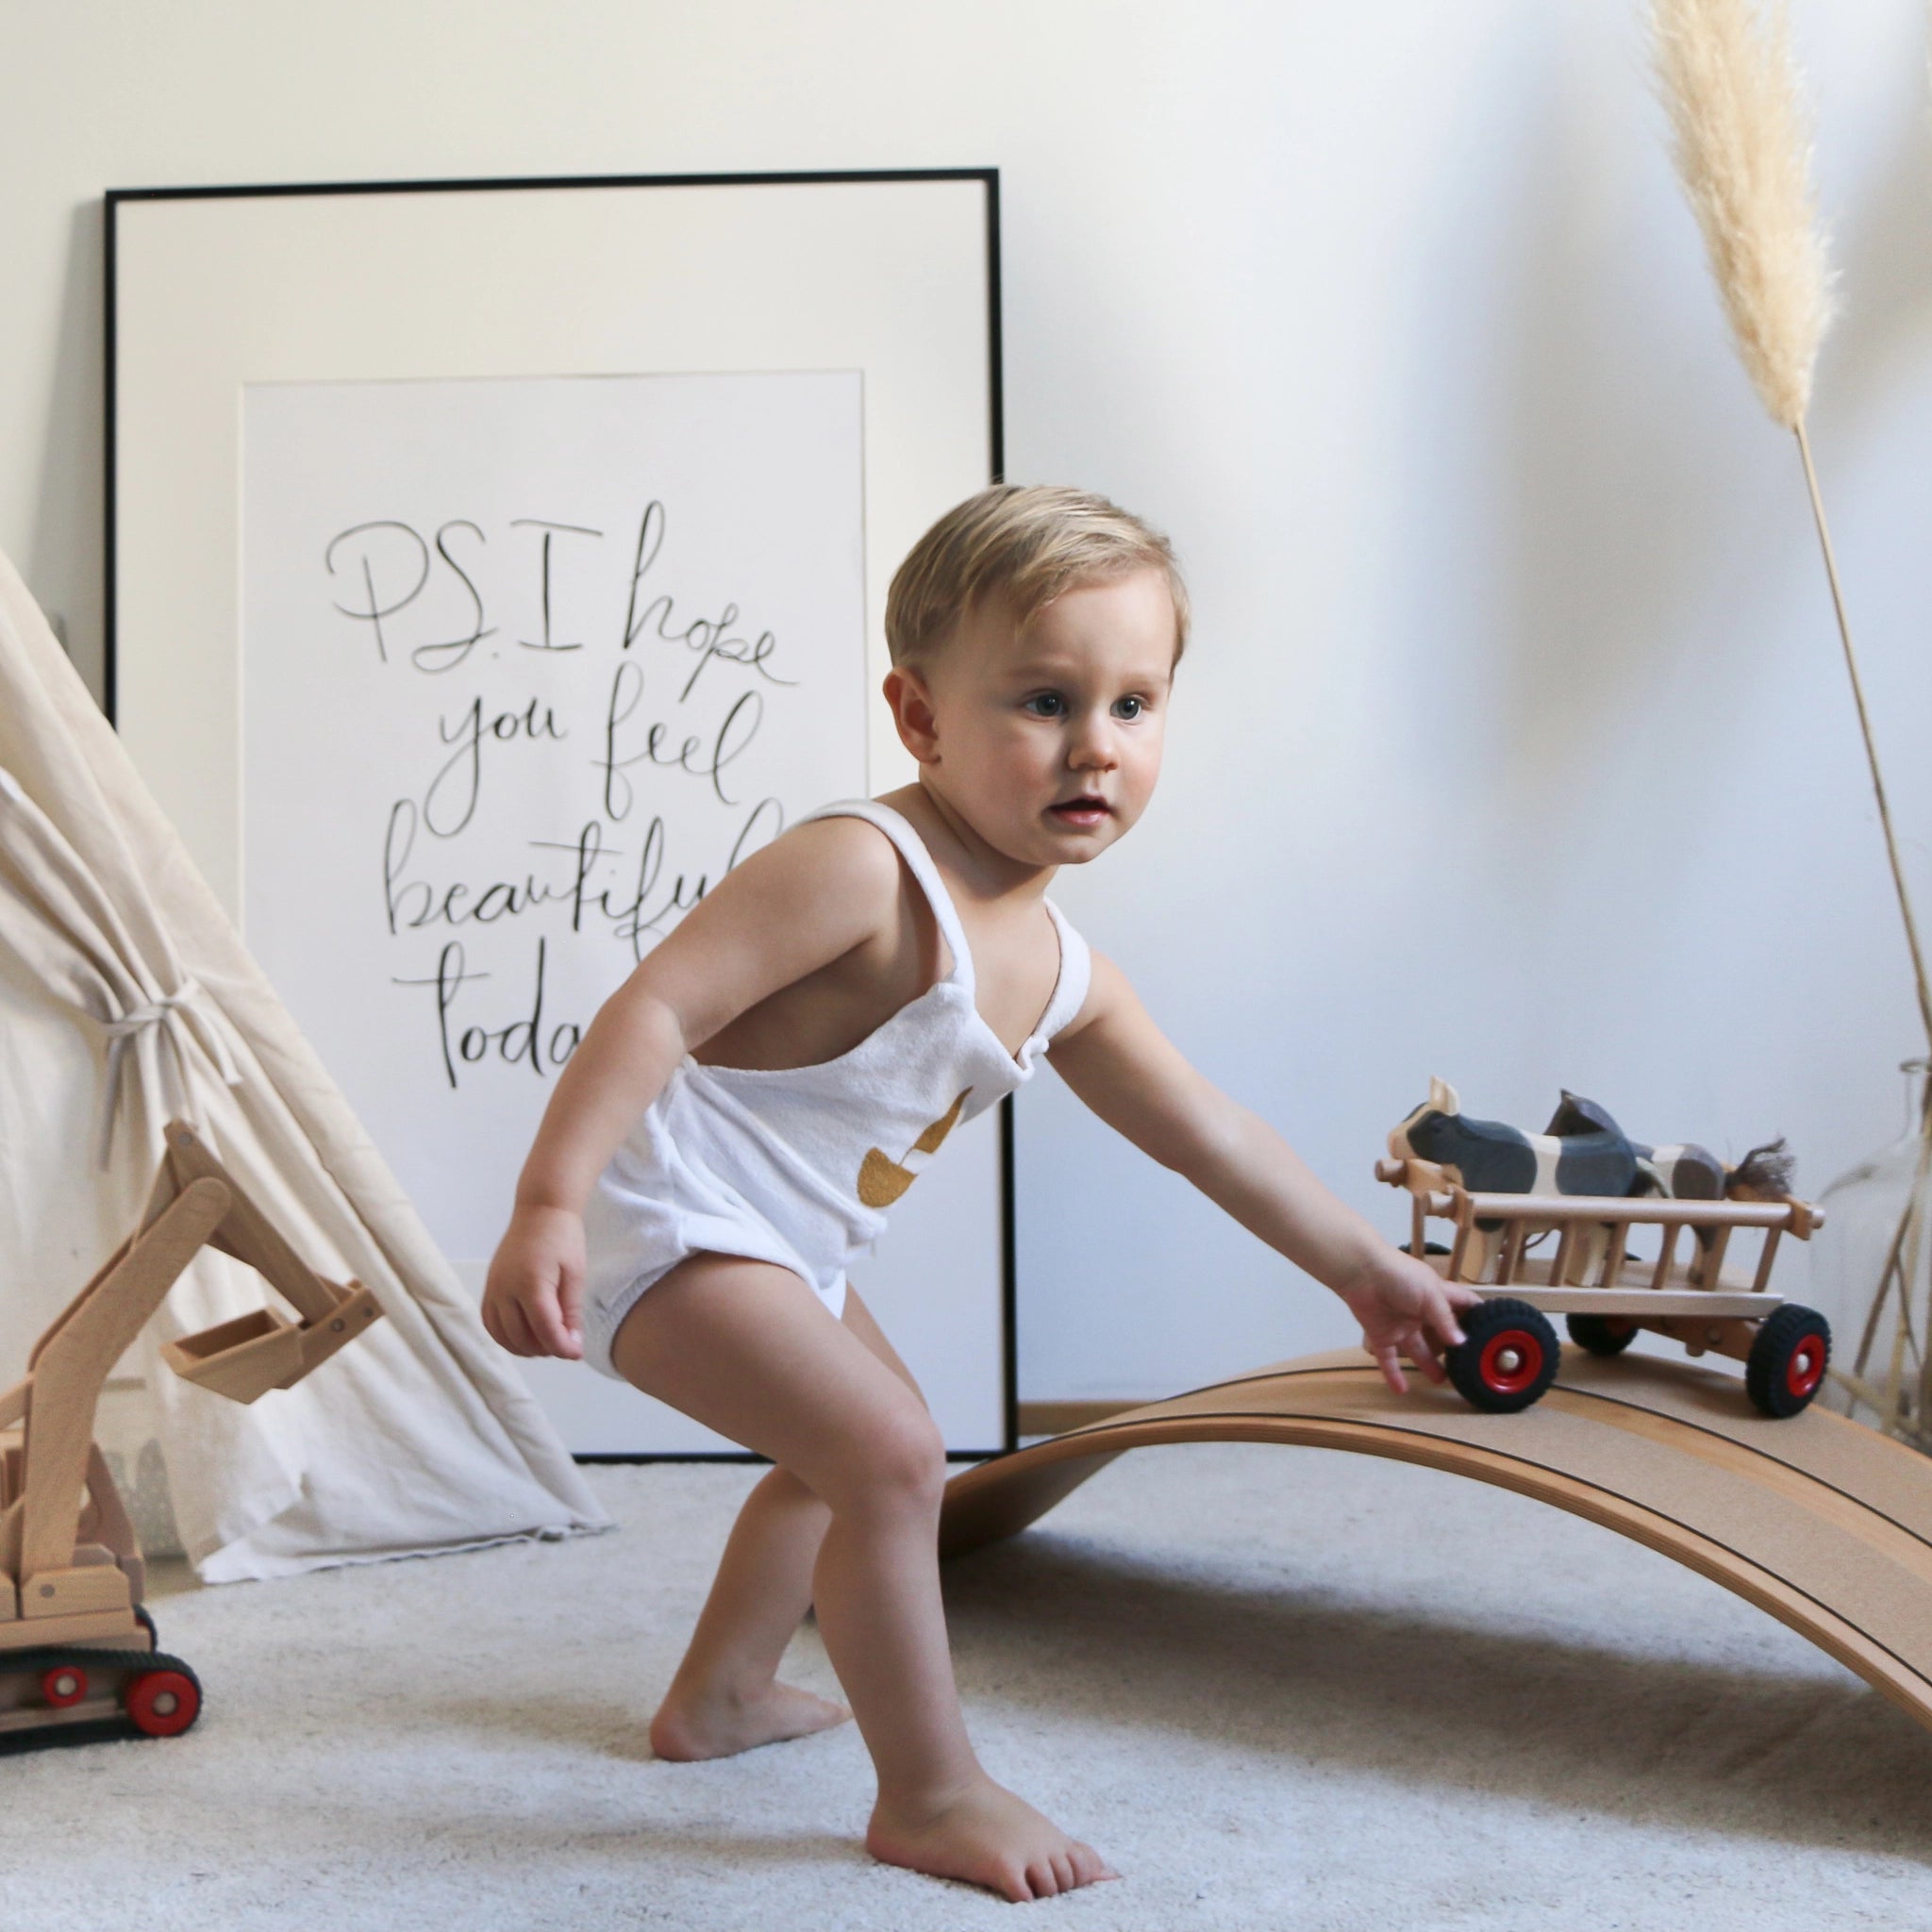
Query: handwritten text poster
[525, 665]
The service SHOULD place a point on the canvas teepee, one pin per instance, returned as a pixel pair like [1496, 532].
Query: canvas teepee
[126, 997]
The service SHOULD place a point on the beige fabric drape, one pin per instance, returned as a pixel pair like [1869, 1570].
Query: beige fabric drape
[128, 997]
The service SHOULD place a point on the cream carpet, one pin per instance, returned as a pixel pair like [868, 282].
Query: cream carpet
[1278, 1688]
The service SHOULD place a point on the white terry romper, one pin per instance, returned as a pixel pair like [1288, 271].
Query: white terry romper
[794, 1166]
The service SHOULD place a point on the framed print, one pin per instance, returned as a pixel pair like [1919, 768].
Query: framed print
[492, 566]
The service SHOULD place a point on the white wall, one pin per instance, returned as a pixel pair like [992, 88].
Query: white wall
[1514, 746]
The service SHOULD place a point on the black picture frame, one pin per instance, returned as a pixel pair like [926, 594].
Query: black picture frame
[127, 209]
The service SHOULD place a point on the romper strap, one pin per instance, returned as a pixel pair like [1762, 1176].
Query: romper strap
[919, 861]
[1077, 974]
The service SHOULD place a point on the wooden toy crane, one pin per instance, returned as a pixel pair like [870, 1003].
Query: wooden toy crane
[75, 1643]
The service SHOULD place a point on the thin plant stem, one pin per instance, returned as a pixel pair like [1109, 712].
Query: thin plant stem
[1844, 631]
[1915, 1251]
[1901, 1269]
[1886, 1276]
[1861, 1392]
[1897, 1422]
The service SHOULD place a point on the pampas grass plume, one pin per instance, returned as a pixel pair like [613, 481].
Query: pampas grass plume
[1743, 149]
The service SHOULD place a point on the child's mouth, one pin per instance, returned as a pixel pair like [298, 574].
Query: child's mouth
[1080, 811]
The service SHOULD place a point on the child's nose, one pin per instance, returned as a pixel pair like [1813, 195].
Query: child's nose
[1092, 748]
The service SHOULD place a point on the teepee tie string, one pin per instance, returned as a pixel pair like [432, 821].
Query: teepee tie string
[181, 1020]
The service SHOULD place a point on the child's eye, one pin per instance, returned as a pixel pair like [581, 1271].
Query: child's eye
[1046, 704]
[1130, 709]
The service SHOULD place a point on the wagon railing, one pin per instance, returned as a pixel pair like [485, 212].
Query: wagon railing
[1591, 1268]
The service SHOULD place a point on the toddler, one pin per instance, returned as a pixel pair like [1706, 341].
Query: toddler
[775, 1074]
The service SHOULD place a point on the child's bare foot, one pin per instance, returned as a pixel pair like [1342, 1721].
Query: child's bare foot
[720, 1725]
[987, 1837]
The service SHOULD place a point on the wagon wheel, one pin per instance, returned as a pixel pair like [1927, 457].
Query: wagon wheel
[1509, 1356]
[1785, 1366]
[1600, 1334]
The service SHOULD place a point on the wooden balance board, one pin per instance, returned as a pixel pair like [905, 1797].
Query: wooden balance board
[1823, 1523]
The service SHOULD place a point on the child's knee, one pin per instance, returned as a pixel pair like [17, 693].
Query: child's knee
[898, 1459]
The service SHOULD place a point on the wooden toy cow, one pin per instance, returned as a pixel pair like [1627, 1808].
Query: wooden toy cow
[1582, 1151]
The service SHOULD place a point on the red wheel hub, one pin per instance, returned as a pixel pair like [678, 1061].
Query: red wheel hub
[1511, 1360]
[163, 1703]
[1806, 1368]
[63, 1685]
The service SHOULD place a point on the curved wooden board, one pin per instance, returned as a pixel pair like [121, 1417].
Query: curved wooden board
[1821, 1522]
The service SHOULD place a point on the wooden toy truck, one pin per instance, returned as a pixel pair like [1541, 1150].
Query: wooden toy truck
[1510, 1352]
[77, 1645]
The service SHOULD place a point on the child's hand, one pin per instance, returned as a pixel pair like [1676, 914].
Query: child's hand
[1406, 1307]
[533, 1298]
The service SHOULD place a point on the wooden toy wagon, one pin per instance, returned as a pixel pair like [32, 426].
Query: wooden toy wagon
[1603, 1293]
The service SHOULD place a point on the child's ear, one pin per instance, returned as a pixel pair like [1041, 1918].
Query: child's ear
[912, 712]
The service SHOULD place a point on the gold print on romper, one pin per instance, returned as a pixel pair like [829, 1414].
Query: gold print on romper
[882, 1180]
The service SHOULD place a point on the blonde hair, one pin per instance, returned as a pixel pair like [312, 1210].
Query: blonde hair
[1025, 544]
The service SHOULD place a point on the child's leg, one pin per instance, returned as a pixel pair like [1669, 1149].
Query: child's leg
[748, 1350]
[725, 1696]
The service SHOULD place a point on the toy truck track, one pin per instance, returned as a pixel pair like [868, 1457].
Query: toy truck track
[77, 1646]
[50, 1687]
[1510, 1353]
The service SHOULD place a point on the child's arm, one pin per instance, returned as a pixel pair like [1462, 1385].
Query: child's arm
[1125, 1068]
[822, 890]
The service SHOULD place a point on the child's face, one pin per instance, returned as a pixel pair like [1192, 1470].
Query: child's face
[1047, 740]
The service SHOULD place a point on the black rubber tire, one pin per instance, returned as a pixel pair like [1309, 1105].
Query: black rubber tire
[1481, 1368]
[1789, 1354]
[1600, 1334]
[130, 1664]
[147, 1624]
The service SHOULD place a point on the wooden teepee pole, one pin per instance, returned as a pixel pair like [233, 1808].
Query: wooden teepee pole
[1844, 632]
